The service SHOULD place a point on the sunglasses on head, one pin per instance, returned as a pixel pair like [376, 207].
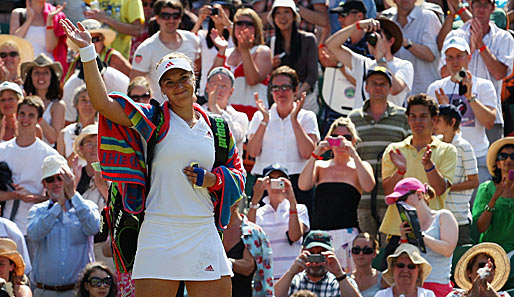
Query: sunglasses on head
[244, 24]
[402, 265]
[139, 98]
[98, 282]
[285, 88]
[96, 39]
[504, 156]
[365, 250]
[348, 137]
[51, 179]
[166, 16]
[12, 54]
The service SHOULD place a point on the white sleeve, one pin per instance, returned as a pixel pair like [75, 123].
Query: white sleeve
[142, 60]
[504, 53]
[431, 90]
[406, 73]
[309, 123]
[303, 215]
[256, 121]
[430, 32]
[487, 93]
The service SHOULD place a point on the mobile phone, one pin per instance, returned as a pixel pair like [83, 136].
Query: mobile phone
[277, 184]
[511, 174]
[194, 164]
[214, 11]
[334, 141]
[316, 258]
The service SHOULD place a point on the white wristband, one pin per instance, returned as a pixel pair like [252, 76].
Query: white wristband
[87, 53]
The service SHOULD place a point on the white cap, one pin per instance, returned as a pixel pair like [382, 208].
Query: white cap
[169, 64]
[284, 3]
[52, 165]
[456, 42]
[7, 85]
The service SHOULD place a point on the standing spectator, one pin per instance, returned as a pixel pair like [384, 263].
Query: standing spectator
[345, 173]
[379, 123]
[466, 172]
[97, 280]
[335, 23]
[364, 250]
[295, 48]
[420, 28]
[389, 41]
[249, 60]
[13, 51]
[126, 17]
[61, 229]
[42, 78]
[10, 95]
[281, 217]
[38, 23]
[476, 104]
[168, 39]
[490, 55]
[139, 90]
[12, 270]
[286, 132]
[23, 154]
[492, 210]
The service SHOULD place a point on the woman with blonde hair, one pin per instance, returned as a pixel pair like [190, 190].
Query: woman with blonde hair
[139, 89]
[13, 51]
[345, 172]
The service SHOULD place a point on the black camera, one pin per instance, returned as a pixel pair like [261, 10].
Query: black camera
[372, 38]
[316, 258]
[214, 11]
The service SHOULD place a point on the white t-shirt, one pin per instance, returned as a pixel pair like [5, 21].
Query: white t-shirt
[275, 224]
[115, 81]
[279, 142]
[25, 164]
[151, 51]
[401, 69]
[8, 229]
[389, 292]
[472, 130]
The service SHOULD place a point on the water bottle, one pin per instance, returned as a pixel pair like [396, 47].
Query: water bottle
[108, 12]
[94, 4]
[117, 13]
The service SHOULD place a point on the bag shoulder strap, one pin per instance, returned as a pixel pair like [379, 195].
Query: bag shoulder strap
[157, 120]
[221, 134]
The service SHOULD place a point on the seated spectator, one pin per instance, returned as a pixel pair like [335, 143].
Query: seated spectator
[482, 271]
[406, 272]
[13, 51]
[304, 293]
[285, 132]
[8, 229]
[281, 217]
[316, 269]
[10, 95]
[439, 228]
[295, 48]
[102, 39]
[345, 173]
[465, 178]
[249, 60]
[38, 23]
[369, 280]
[61, 229]
[492, 210]
[12, 279]
[219, 89]
[389, 41]
[42, 78]
[244, 242]
[97, 280]
[139, 90]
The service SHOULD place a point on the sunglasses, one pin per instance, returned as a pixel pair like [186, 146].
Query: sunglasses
[51, 179]
[348, 137]
[406, 196]
[365, 250]
[98, 282]
[148, 4]
[285, 88]
[10, 54]
[244, 24]
[139, 98]
[166, 16]
[505, 156]
[96, 39]
[402, 265]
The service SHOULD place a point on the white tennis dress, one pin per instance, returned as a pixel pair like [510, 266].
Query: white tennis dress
[178, 239]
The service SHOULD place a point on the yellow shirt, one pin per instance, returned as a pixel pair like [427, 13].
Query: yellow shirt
[126, 11]
[444, 156]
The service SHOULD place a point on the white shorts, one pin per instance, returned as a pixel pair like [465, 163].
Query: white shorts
[342, 240]
[180, 252]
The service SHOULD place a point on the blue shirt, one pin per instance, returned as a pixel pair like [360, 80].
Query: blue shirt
[62, 239]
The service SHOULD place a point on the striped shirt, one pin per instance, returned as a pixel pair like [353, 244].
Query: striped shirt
[458, 202]
[327, 286]
[376, 136]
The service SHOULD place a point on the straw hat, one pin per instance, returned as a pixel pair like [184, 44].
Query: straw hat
[94, 26]
[492, 153]
[41, 60]
[87, 131]
[8, 250]
[24, 47]
[416, 258]
[501, 263]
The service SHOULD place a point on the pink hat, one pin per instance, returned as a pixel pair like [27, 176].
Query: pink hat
[403, 187]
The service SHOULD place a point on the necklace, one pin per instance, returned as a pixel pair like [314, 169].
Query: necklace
[193, 121]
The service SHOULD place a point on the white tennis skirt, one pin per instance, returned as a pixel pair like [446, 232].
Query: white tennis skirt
[188, 252]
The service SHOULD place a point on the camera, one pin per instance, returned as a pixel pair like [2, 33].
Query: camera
[214, 11]
[372, 38]
[334, 141]
[277, 184]
[316, 258]
[460, 75]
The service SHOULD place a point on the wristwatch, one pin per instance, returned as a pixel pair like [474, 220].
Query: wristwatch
[409, 44]
[473, 99]
[339, 64]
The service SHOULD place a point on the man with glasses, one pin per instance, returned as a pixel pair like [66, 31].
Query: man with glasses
[168, 39]
[378, 123]
[61, 229]
[317, 269]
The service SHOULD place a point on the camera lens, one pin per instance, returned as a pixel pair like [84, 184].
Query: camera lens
[462, 73]
[214, 11]
[372, 39]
